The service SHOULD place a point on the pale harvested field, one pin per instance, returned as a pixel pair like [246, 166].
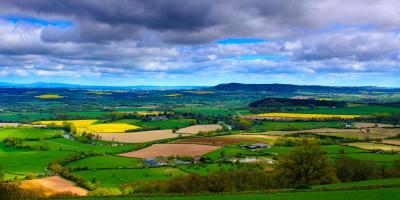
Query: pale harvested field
[391, 142]
[165, 150]
[55, 184]
[257, 135]
[373, 146]
[382, 132]
[195, 129]
[9, 124]
[319, 130]
[138, 137]
[371, 125]
[375, 133]
[228, 139]
[221, 140]
[260, 137]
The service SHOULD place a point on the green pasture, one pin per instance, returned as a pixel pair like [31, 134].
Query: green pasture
[357, 110]
[133, 109]
[30, 162]
[27, 132]
[90, 114]
[204, 169]
[117, 177]
[71, 145]
[24, 116]
[292, 126]
[376, 194]
[228, 152]
[102, 162]
[206, 110]
[375, 182]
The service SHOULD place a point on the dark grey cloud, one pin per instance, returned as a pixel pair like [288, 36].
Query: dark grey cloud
[175, 21]
[176, 37]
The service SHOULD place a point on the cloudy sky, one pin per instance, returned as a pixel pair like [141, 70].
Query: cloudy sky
[191, 42]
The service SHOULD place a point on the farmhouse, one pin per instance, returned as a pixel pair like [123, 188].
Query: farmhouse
[348, 125]
[155, 162]
[255, 146]
[181, 162]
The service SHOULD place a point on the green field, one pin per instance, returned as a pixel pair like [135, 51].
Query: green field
[205, 169]
[117, 177]
[71, 145]
[290, 126]
[376, 194]
[160, 124]
[384, 159]
[350, 152]
[24, 133]
[91, 114]
[335, 149]
[386, 182]
[25, 162]
[357, 110]
[102, 162]
[228, 152]
[6, 150]
[24, 116]
[206, 110]
[133, 109]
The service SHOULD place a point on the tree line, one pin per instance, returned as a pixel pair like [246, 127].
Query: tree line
[302, 167]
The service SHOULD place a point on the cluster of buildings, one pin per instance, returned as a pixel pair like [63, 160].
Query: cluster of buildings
[255, 146]
[163, 161]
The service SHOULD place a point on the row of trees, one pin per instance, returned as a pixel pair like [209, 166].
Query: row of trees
[304, 166]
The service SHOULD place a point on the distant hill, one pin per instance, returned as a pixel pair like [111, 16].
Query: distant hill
[283, 103]
[75, 86]
[288, 88]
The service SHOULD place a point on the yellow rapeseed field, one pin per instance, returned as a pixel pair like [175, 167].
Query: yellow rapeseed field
[77, 123]
[149, 112]
[301, 115]
[172, 95]
[88, 126]
[49, 96]
[110, 128]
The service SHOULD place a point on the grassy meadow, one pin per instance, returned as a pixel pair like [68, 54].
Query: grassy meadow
[376, 194]
[289, 126]
[104, 162]
[62, 144]
[29, 133]
[116, 177]
[353, 110]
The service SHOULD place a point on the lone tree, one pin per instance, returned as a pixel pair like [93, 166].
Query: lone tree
[305, 165]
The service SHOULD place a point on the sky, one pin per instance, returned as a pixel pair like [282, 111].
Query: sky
[207, 42]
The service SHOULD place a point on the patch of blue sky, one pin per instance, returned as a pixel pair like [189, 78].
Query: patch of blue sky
[40, 22]
[240, 41]
[340, 26]
[263, 57]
